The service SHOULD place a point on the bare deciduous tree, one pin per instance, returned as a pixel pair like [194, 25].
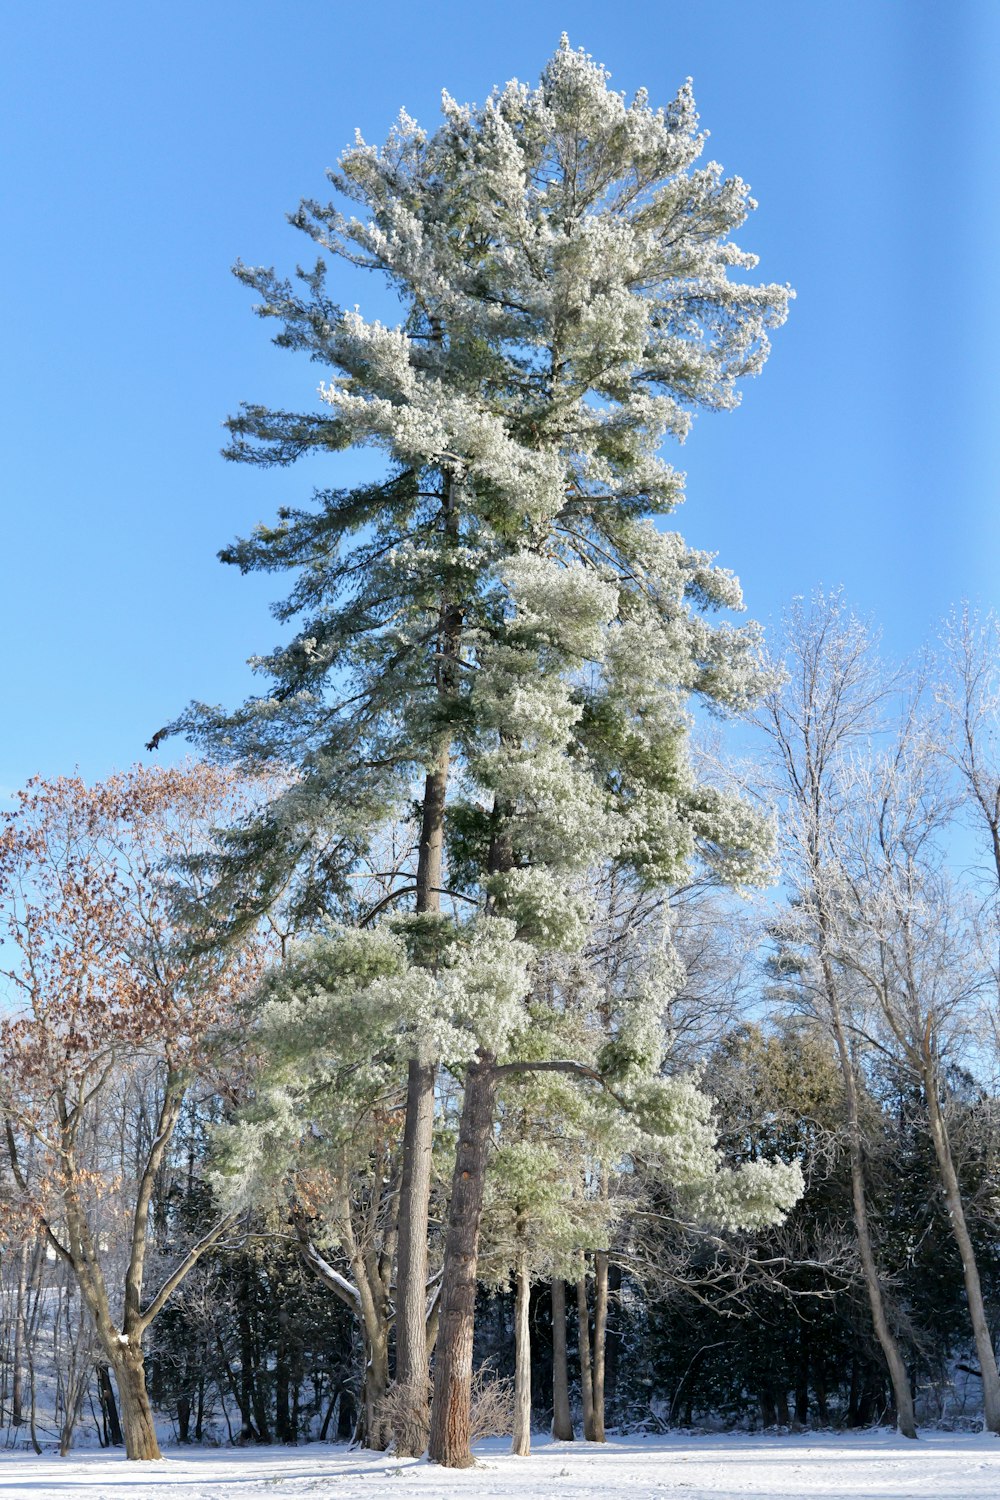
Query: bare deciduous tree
[905, 930]
[112, 1017]
[829, 703]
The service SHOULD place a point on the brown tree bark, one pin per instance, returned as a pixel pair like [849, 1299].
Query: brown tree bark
[966, 1249]
[136, 1413]
[33, 1400]
[562, 1421]
[450, 1431]
[16, 1396]
[118, 916]
[376, 1383]
[902, 1393]
[586, 1367]
[600, 1341]
[122, 1348]
[521, 1443]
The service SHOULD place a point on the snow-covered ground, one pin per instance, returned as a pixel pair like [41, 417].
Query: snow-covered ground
[869, 1466]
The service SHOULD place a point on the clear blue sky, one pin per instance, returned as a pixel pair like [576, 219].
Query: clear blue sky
[146, 146]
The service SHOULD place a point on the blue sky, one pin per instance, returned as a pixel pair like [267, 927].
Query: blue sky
[146, 147]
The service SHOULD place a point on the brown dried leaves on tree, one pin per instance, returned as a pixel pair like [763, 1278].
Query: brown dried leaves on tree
[108, 1016]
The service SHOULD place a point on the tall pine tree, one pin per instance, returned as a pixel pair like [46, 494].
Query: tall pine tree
[499, 620]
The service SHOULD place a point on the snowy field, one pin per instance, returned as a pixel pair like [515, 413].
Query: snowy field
[836, 1467]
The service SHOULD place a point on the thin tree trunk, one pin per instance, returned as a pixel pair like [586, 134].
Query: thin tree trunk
[225, 1408]
[562, 1421]
[433, 1322]
[282, 1371]
[33, 1399]
[76, 1389]
[521, 1440]
[802, 1377]
[377, 1434]
[853, 1393]
[902, 1392]
[251, 1398]
[613, 1338]
[586, 1372]
[345, 1416]
[450, 1432]
[766, 1405]
[136, 1412]
[781, 1407]
[33, 1310]
[282, 1426]
[329, 1413]
[960, 1232]
[373, 1305]
[109, 1407]
[600, 1340]
[247, 1433]
[16, 1414]
[296, 1419]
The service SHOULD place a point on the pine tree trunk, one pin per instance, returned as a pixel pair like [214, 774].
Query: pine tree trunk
[282, 1426]
[600, 1340]
[412, 1417]
[562, 1421]
[960, 1232]
[521, 1444]
[136, 1413]
[411, 1413]
[450, 1432]
[586, 1373]
[252, 1406]
[902, 1392]
[613, 1339]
